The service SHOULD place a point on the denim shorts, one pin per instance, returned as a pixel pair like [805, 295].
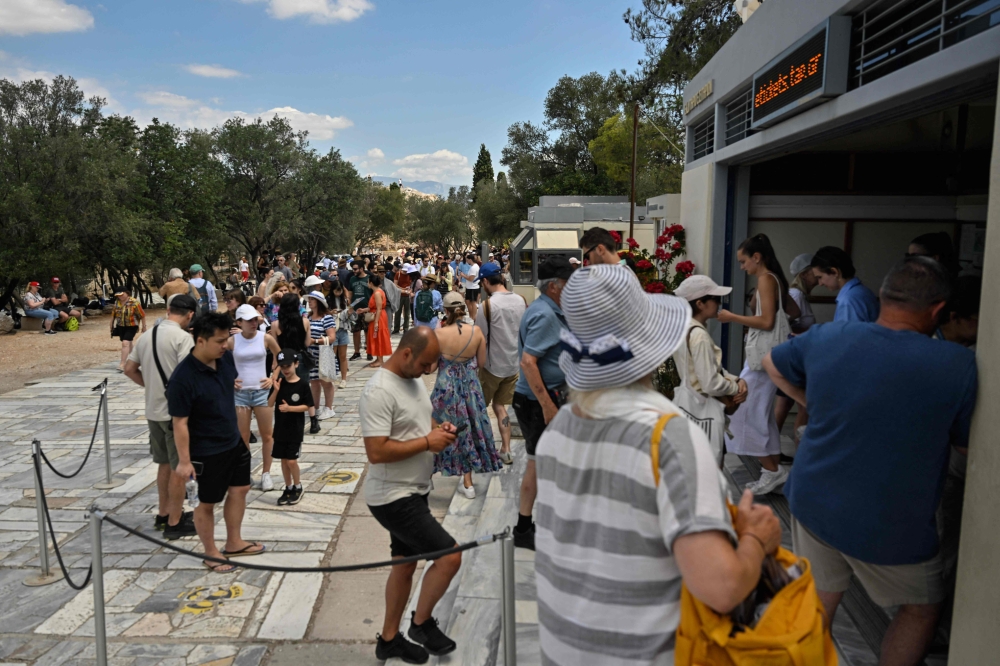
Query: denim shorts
[252, 397]
[41, 313]
[343, 337]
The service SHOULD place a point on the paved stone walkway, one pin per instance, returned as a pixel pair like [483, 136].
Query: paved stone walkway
[165, 608]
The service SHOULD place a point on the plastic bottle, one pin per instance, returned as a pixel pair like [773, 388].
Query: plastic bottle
[192, 492]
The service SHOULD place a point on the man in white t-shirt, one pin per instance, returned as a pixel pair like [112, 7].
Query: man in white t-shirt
[173, 344]
[469, 272]
[401, 439]
[500, 321]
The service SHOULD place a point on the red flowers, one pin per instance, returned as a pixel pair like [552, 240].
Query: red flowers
[616, 235]
[676, 245]
[685, 267]
[633, 243]
[663, 255]
[655, 288]
[643, 264]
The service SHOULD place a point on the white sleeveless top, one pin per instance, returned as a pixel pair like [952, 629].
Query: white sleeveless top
[250, 356]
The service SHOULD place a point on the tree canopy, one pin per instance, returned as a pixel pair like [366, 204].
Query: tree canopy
[483, 170]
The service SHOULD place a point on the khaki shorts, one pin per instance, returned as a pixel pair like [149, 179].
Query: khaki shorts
[886, 584]
[497, 390]
[161, 443]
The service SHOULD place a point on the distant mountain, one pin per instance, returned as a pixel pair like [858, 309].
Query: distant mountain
[426, 186]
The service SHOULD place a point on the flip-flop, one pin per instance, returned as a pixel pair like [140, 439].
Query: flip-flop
[219, 567]
[246, 552]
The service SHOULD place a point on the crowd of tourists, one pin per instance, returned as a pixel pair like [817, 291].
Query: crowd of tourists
[622, 496]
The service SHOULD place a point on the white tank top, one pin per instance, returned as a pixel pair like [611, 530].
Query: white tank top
[250, 357]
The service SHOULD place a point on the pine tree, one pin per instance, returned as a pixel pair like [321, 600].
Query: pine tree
[484, 166]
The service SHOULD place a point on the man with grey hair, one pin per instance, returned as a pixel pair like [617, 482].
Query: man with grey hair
[540, 390]
[886, 402]
[176, 285]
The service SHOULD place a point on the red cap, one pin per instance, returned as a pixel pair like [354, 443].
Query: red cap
[55, 279]
[34, 284]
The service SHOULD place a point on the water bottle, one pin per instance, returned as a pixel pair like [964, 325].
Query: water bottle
[192, 492]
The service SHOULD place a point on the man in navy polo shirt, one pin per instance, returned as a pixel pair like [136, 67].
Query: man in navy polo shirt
[202, 405]
[886, 402]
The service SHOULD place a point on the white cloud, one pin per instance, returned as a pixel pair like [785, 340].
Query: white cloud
[376, 154]
[318, 11]
[191, 113]
[442, 165]
[162, 98]
[212, 71]
[24, 17]
[320, 126]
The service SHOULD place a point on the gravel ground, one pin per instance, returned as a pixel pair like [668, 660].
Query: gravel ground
[29, 355]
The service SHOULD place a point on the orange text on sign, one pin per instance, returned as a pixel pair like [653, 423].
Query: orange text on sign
[796, 75]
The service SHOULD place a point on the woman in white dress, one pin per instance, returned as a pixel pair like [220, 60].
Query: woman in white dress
[754, 430]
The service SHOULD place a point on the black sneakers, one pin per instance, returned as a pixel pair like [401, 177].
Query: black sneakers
[314, 425]
[402, 648]
[355, 357]
[283, 500]
[430, 636]
[182, 529]
[295, 495]
[525, 539]
[160, 523]
[253, 438]
[369, 357]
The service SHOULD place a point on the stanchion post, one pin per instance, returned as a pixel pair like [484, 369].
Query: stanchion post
[46, 577]
[108, 481]
[97, 557]
[509, 621]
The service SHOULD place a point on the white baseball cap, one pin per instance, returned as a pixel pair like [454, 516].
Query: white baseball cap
[313, 280]
[700, 286]
[247, 313]
[800, 263]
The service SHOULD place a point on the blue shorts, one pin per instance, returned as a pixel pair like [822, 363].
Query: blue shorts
[252, 397]
[343, 337]
[41, 313]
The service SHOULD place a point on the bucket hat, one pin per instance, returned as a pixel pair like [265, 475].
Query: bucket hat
[695, 287]
[617, 332]
[313, 280]
[318, 296]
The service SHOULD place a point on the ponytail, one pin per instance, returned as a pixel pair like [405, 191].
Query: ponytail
[761, 244]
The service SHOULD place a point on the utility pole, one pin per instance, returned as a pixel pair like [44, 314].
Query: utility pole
[635, 139]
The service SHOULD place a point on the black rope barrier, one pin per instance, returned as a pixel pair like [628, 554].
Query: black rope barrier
[93, 438]
[265, 567]
[52, 532]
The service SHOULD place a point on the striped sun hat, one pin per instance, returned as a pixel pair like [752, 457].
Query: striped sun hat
[617, 332]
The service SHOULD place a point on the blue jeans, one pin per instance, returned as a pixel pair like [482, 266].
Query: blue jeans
[41, 313]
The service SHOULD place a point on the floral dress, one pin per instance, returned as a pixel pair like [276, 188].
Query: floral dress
[458, 399]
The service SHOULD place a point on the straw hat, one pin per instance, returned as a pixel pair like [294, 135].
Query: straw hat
[617, 332]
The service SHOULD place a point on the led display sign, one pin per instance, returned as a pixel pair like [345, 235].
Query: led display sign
[809, 72]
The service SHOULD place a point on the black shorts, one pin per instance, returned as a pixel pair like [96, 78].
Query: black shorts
[222, 471]
[531, 419]
[472, 295]
[126, 333]
[286, 450]
[412, 528]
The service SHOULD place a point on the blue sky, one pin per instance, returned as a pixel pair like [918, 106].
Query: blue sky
[401, 88]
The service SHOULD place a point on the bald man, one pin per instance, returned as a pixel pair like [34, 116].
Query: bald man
[401, 439]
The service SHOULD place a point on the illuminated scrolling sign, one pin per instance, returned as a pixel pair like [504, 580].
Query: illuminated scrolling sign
[811, 71]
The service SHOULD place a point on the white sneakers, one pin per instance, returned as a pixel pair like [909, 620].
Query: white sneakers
[342, 384]
[507, 458]
[469, 491]
[324, 413]
[266, 483]
[769, 481]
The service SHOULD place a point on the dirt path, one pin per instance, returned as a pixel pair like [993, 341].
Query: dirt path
[29, 355]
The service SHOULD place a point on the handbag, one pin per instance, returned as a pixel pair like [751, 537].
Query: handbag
[369, 317]
[328, 370]
[760, 343]
[791, 629]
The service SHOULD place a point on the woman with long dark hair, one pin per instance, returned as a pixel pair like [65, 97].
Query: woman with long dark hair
[754, 430]
[379, 343]
[322, 329]
[292, 332]
[339, 308]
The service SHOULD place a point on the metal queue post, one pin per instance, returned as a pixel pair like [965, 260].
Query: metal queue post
[509, 618]
[109, 482]
[47, 576]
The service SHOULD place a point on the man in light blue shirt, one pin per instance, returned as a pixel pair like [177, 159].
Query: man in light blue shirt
[835, 271]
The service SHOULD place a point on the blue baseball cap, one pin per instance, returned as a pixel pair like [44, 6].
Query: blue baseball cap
[489, 269]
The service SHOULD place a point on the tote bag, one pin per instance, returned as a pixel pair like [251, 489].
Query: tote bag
[760, 343]
[705, 411]
[327, 363]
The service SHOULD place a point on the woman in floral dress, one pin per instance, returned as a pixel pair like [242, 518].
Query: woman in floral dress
[458, 398]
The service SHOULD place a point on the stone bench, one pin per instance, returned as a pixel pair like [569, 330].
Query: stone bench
[34, 324]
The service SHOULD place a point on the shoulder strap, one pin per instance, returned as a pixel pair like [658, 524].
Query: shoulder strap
[468, 342]
[489, 328]
[156, 359]
[654, 445]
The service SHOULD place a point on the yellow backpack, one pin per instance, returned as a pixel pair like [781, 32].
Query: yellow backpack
[791, 632]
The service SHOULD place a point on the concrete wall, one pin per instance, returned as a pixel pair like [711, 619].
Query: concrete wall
[974, 635]
[697, 210]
